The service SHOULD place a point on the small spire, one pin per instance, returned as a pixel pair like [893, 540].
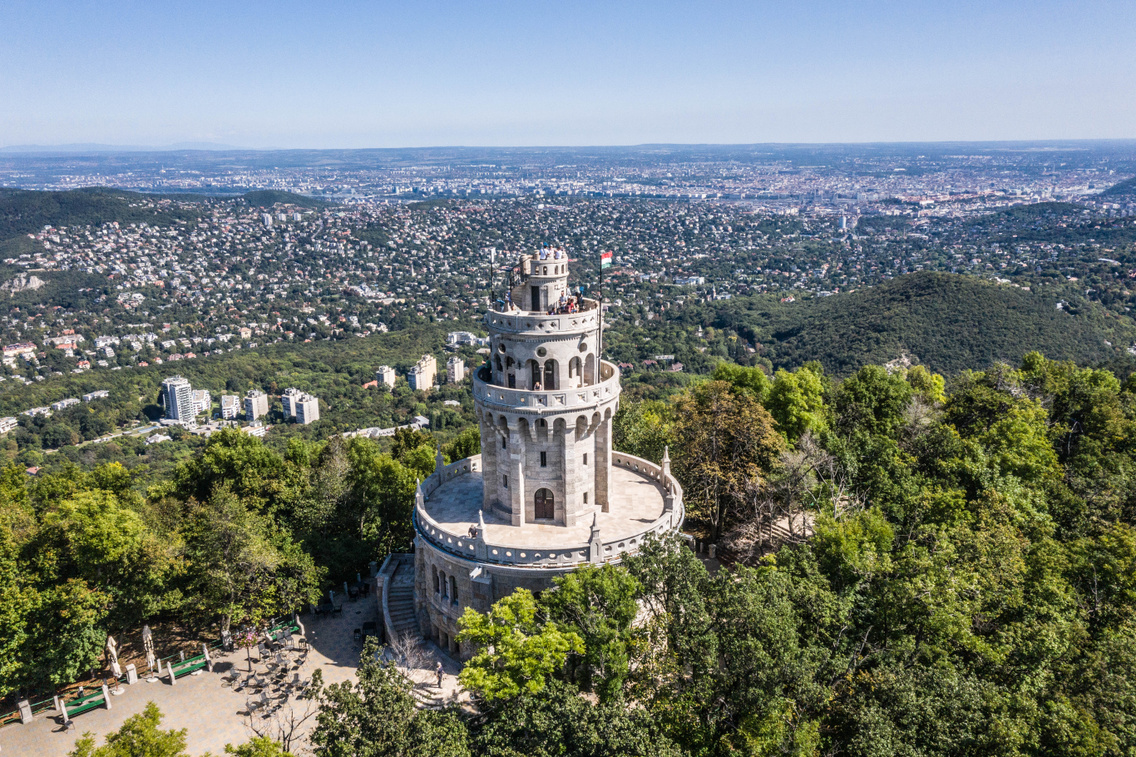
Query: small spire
[481, 523]
[666, 453]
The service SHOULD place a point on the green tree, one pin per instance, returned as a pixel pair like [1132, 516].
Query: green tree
[515, 651]
[379, 717]
[239, 567]
[599, 604]
[139, 736]
[796, 402]
[260, 746]
[726, 442]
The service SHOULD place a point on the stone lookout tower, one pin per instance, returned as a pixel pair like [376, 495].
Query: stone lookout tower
[547, 494]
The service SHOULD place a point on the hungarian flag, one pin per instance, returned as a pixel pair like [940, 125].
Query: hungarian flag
[605, 259]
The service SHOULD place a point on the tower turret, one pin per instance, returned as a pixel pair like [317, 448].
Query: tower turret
[545, 400]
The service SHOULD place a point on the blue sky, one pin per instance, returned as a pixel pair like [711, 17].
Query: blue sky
[377, 74]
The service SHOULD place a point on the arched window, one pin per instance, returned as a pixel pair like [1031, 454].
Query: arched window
[499, 366]
[453, 590]
[550, 375]
[437, 588]
[534, 374]
[574, 368]
[545, 505]
[590, 370]
[443, 574]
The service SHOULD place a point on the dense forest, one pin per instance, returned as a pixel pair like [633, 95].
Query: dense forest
[23, 211]
[958, 574]
[947, 322]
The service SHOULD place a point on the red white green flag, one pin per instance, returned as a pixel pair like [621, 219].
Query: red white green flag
[605, 259]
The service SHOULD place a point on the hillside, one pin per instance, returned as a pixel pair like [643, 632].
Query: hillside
[1125, 188]
[266, 198]
[950, 323]
[25, 211]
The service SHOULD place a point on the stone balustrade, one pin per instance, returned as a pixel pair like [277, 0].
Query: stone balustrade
[528, 322]
[568, 556]
[524, 400]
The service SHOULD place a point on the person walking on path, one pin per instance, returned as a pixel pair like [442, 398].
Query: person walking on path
[439, 672]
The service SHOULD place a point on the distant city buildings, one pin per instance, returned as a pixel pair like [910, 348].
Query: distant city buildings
[230, 407]
[455, 370]
[256, 404]
[177, 396]
[461, 338]
[385, 375]
[424, 373]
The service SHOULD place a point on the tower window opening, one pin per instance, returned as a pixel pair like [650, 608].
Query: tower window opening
[504, 482]
[585, 498]
[504, 442]
[543, 459]
[585, 458]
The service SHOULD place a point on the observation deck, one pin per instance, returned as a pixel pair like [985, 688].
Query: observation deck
[536, 322]
[528, 401]
[644, 501]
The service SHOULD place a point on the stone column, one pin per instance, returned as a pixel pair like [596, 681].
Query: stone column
[603, 463]
[570, 463]
[517, 483]
[491, 476]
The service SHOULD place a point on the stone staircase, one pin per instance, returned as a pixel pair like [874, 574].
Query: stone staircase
[399, 601]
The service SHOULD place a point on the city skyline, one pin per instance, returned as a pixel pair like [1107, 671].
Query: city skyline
[290, 76]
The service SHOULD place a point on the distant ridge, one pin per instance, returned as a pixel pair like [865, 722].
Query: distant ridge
[91, 147]
[23, 211]
[949, 322]
[1125, 188]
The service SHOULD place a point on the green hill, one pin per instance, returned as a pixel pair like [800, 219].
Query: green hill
[24, 211]
[1125, 188]
[947, 322]
[266, 198]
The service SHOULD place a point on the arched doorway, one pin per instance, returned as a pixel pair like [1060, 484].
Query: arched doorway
[545, 505]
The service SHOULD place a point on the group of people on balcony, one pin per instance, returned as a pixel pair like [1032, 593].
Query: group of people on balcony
[565, 306]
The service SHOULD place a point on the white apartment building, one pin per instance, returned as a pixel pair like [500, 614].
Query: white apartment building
[300, 405]
[385, 375]
[230, 406]
[177, 395]
[256, 404]
[424, 373]
[202, 402]
[455, 370]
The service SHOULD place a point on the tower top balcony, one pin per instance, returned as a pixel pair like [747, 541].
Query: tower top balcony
[539, 284]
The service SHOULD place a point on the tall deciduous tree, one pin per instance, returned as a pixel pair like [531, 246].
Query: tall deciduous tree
[378, 717]
[726, 440]
[516, 651]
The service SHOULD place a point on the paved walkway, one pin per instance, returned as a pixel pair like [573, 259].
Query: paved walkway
[212, 714]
